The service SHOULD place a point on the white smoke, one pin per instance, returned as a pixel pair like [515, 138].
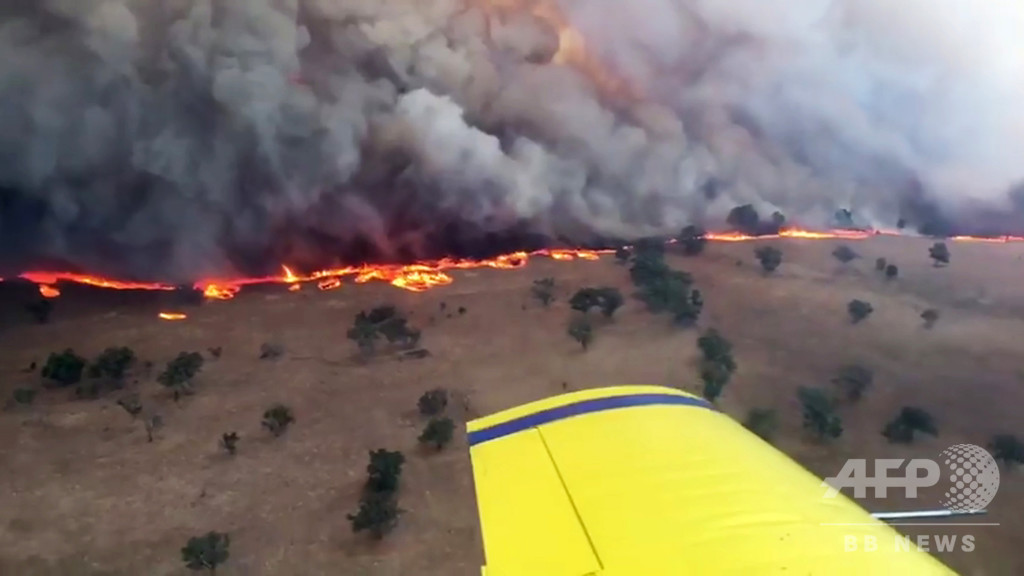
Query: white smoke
[177, 137]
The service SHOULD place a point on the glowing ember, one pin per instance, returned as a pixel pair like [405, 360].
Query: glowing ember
[172, 316]
[423, 275]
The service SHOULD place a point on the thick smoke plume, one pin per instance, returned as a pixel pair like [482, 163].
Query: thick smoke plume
[187, 138]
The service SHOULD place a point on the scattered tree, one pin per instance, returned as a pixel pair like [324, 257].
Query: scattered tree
[40, 310]
[745, 219]
[433, 402]
[930, 317]
[819, 416]
[180, 371]
[606, 298]
[622, 254]
[854, 380]
[649, 248]
[378, 513]
[880, 264]
[277, 418]
[64, 369]
[763, 422]
[769, 256]
[544, 290]
[910, 420]
[438, 432]
[859, 310]
[384, 470]
[715, 377]
[845, 254]
[581, 331]
[113, 364]
[206, 552]
[901, 223]
[229, 442]
[844, 218]
[1006, 448]
[891, 271]
[939, 252]
[365, 336]
[693, 239]
[686, 310]
[24, 396]
[716, 349]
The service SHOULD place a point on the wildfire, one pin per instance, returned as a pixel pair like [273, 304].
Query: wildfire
[420, 276]
[172, 316]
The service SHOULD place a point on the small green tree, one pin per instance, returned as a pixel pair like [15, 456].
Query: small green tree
[770, 258]
[819, 416]
[930, 317]
[112, 363]
[229, 442]
[277, 418]
[206, 552]
[939, 252]
[910, 420]
[581, 331]
[687, 308]
[433, 402]
[64, 369]
[1006, 448]
[854, 380]
[384, 470]
[880, 264]
[845, 254]
[365, 335]
[715, 377]
[378, 514]
[891, 271]
[180, 371]
[693, 239]
[544, 291]
[763, 422]
[438, 432]
[858, 310]
[716, 348]
[611, 300]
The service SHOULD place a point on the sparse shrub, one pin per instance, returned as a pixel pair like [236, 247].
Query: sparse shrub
[544, 291]
[438, 432]
[845, 254]
[131, 404]
[433, 402]
[152, 423]
[462, 310]
[939, 252]
[277, 418]
[859, 310]
[819, 416]
[40, 310]
[693, 240]
[384, 470]
[270, 350]
[854, 380]
[180, 371]
[365, 336]
[891, 271]
[384, 321]
[112, 363]
[1006, 448]
[770, 257]
[611, 300]
[930, 317]
[229, 442]
[880, 264]
[206, 552]
[24, 396]
[378, 514]
[763, 422]
[64, 369]
[215, 351]
[581, 331]
[910, 420]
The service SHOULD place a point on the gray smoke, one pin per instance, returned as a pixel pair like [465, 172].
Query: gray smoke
[190, 138]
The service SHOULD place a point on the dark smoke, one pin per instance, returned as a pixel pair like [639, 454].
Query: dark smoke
[180, 139]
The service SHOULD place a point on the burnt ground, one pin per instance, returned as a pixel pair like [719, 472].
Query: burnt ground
[82, 492]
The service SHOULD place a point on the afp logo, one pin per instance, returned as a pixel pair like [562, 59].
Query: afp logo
[968, 475]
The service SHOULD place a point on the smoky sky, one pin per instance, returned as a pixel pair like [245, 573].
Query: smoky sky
[192, 138]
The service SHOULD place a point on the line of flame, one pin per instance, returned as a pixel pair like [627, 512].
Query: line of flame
[424, 275]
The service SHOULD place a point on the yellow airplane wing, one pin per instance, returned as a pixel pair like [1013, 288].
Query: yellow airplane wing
[651, 481]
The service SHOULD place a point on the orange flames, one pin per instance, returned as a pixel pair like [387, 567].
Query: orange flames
[415, 277]
[172, 316]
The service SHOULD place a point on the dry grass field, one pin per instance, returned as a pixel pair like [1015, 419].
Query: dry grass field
[82, 492]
